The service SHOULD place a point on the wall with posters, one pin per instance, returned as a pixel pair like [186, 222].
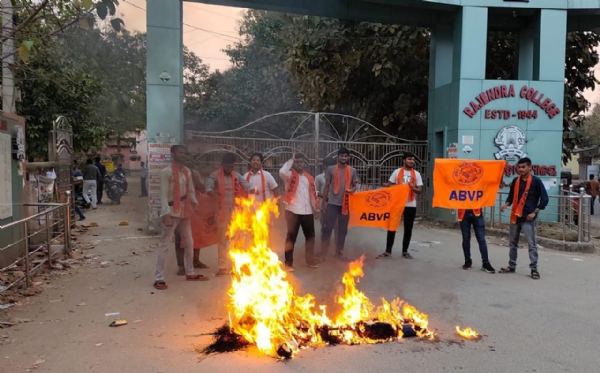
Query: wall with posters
[159, 157]
[494, 119]
[12, 187]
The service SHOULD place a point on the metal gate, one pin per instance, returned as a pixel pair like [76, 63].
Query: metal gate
[61, 153]
[374, 154]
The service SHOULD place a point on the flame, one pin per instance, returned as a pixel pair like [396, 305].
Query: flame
[265, 310]
[467, 333]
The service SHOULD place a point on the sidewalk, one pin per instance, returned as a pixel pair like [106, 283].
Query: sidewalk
[528, 325]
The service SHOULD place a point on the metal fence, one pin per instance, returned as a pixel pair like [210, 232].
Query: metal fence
[373, 153]
[56, 231]
[569, 214]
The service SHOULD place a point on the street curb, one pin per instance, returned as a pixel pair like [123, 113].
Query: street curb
[550, 243]
[545, 242]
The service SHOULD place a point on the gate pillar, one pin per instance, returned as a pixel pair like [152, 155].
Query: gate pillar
[164, 70]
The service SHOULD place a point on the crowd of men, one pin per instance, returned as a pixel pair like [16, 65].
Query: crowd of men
[324, 198]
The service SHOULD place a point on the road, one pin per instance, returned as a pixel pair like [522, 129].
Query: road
[550, 325]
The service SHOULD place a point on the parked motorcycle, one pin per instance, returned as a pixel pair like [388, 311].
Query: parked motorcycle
[115, 187]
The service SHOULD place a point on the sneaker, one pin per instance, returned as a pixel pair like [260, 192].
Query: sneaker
[468, 264]
[487, 267]
[312, 265]
[289, 268]
[82, 218]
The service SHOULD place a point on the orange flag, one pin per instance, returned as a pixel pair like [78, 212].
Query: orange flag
[204, 221]
[380, 208]
[466, 184]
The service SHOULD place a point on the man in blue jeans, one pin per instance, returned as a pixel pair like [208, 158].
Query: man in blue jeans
[527, 197]
[468, 219]
[341, 180]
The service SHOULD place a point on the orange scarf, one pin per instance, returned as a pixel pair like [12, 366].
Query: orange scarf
[262, 182]
[461, 213]
[336, 187]
[517, 208]
[413, 179]
[292, 186]
[177, 168]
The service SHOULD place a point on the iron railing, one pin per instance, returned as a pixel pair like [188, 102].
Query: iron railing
[568, 215]
[56, 225]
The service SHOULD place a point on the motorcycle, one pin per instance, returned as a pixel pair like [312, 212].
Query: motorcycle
[115, 186]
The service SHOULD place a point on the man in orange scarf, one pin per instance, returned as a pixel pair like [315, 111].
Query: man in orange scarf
[405, 175]
[527, 197]
[301, 209]
[194, 217]
[341, 180]
[262, 181]
[226, 185]
[178, 198]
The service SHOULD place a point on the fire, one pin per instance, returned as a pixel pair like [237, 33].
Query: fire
[467, 333]
[265, 310]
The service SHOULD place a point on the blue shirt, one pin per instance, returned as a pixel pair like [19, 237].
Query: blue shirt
[537, 197]
[101, 168]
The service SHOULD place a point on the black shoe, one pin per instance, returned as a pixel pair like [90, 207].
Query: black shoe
[487, 267]
[468, 264]
[342, 258]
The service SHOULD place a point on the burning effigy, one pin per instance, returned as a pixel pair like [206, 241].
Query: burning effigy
[265, 311]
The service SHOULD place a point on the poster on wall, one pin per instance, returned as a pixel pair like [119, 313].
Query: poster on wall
[453, 150]
[159, 157]
[45, 194]
[6, 210]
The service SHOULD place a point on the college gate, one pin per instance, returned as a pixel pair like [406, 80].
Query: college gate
[374, 154]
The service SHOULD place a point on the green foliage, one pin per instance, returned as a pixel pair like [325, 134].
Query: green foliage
[589, 134]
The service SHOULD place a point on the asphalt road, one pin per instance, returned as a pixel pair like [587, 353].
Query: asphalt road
[550, 325]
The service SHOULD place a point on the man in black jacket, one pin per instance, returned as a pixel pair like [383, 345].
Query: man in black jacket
[527, 196]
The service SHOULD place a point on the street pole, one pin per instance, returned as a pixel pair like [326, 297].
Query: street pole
[8, 82]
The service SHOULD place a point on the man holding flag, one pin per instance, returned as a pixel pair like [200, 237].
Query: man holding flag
[527, 197]
[468, 186]
[405, 175]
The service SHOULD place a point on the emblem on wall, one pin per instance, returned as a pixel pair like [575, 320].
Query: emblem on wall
[510, 140]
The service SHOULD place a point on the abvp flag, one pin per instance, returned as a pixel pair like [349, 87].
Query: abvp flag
[466, 184]
[380, 208]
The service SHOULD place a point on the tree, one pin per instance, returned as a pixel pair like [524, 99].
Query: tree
[589, 134]
[53, 17]
[258, 84]
[581, 58]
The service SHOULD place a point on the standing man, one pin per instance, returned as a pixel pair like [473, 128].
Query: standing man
[102, 170]
[592, 188]
[261, 181]
[527, 197]
[91, 174]
[177, 197]
[341, 180]
[405, 175]
[144, 177]
[320, 181]
[468, 218]
[301, 209]
[226, 184]
[77, 183]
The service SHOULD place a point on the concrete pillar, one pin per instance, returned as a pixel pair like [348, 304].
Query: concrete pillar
[164, 69]
[470, 41]
[526, 53]
[550, 45]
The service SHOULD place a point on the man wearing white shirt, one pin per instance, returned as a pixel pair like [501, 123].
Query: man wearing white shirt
[262, 181]
[177, 197]
[405, 175]
[301, 209]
